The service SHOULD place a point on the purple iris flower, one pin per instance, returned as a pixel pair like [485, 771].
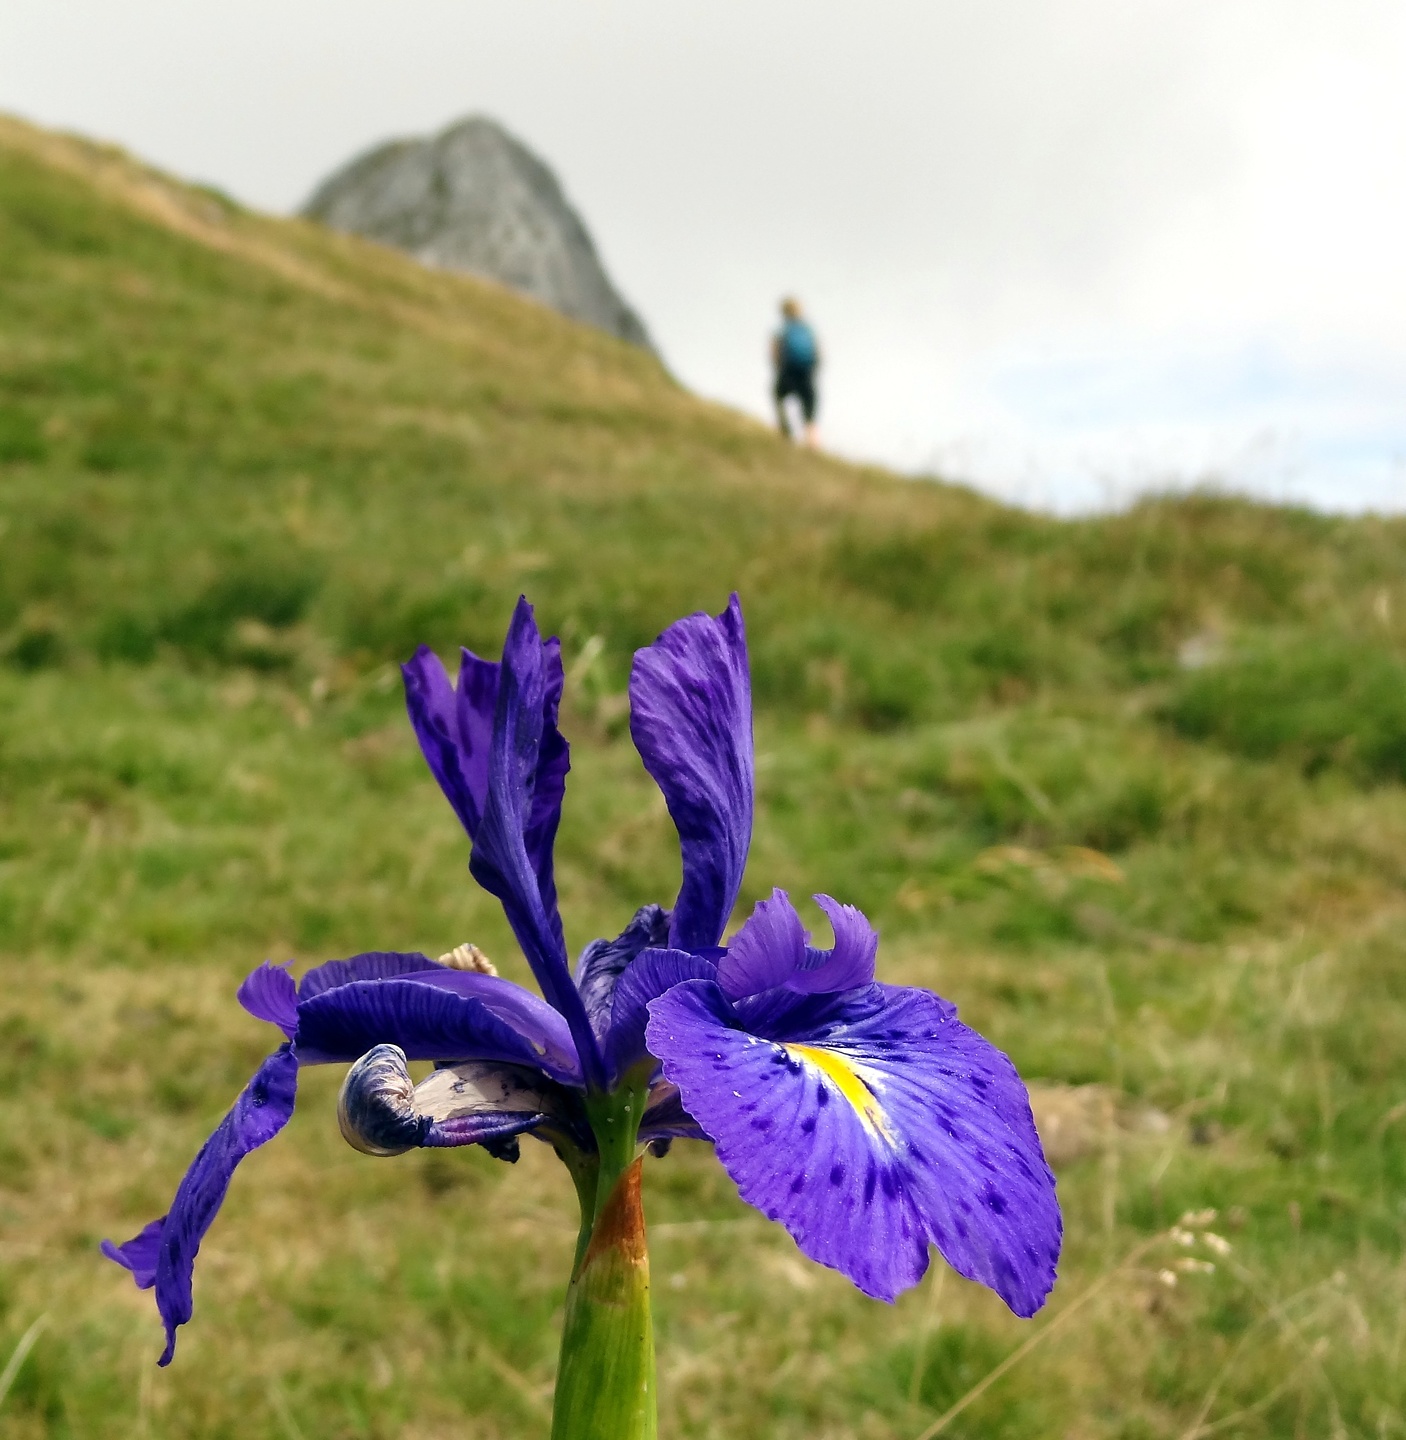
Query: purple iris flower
[864, 1117]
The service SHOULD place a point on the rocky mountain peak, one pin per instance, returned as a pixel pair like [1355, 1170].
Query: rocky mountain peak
[475, 198]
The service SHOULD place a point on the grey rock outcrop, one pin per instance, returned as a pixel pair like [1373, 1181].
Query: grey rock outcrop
[474, 198]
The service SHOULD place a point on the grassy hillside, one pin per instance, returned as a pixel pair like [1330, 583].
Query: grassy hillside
[1128, 790]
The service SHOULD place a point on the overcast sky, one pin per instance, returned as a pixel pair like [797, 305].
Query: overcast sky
[1061, 248]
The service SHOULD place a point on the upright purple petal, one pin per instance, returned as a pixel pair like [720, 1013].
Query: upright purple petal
[549, 779]
[456, 729]
[430, 1021]
[269, 993]
[691, 719]
[773, 949]
[602, 962]
[870, 1123]
[850, 963]
[526, 774]
[453, 726]
[768, 949]
[172, 1243]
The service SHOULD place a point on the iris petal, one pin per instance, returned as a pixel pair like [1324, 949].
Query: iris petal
[850, 963]
[549, 777]
[428, 1022]
[602, 962]
[512, 851]
[373, 965]
[453, 725]
[536, 1021]
[494, 746]
[773, 949]
[269, 993]
[870, 1123]
[691, 720]
[768, 949]
[164, 1253]
[139, 1254]
[654, 972]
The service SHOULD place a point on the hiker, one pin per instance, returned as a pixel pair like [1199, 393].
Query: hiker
[795, 357]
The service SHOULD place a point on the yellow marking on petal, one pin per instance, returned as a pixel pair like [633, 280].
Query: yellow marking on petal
[850, 1082]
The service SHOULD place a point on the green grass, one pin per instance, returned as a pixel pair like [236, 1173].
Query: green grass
[1128, 790]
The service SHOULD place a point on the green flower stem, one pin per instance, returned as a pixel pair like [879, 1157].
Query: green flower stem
[585, 1175]
[605, 1380]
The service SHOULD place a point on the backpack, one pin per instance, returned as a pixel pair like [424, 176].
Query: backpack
[798, 349]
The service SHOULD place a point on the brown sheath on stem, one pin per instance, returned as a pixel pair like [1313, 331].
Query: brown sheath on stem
[605, 1383]
[620, 1225]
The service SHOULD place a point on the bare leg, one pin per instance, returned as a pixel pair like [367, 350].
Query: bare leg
[812, 436]
[783, 421]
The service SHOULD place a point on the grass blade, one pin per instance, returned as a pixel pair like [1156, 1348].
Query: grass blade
[20, 1354]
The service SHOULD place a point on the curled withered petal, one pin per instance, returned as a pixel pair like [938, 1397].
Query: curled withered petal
[477, 1087]
[376, 1109]
[381, 1111]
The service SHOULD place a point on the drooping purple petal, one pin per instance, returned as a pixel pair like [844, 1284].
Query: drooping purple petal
[139, 1254]
[373, 965]
[524, 756]
[453, 726]
[428, 1022]
[602, 962]
[691, 720]
[654, 972]
[269, 993]
[773, 949]
[528, 1014]
[869, 1124]
[261, 1111]
[381, 1111]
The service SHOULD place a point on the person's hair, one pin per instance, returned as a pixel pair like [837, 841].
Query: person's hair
[791, 308]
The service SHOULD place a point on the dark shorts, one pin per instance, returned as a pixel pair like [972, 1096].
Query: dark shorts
[798, 381]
